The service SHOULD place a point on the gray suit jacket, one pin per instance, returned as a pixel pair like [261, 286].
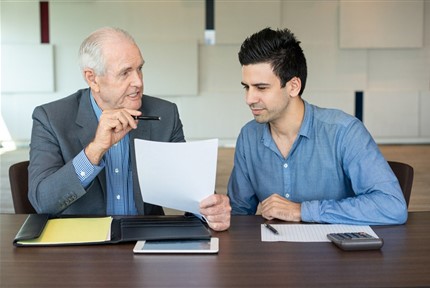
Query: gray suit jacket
[62, 129]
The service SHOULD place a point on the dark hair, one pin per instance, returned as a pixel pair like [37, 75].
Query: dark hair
[281, 49]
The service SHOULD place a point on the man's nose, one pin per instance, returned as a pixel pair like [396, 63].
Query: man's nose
[137, 79]
[250, 97]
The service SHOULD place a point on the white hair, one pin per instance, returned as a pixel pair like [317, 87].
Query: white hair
[91, 50]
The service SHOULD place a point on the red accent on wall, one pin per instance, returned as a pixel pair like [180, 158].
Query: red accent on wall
[44, 21]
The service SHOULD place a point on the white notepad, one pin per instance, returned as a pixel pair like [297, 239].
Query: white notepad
[309, 232]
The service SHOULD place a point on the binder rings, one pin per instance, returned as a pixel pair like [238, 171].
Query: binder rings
[36, 227]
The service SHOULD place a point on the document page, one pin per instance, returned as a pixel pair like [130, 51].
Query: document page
[309, 232]
[176, 175]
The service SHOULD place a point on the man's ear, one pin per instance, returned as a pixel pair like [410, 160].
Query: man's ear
[296, 85]
[91, 79]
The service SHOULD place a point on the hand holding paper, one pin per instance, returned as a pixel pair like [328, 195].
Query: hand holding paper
[177, 175]
[217, 210]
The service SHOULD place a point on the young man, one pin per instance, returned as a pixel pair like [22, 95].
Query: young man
[82, 146]
[302, 162]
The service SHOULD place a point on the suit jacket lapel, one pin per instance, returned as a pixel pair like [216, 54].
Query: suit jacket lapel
[87, 120]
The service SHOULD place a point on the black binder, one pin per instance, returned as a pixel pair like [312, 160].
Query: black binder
[126, 229]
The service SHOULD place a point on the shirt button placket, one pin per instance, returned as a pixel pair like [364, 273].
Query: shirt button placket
[287, 195]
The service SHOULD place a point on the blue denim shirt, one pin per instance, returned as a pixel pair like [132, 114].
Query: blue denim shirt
[334, 169]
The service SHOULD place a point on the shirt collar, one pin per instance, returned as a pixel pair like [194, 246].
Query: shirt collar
[305, 128]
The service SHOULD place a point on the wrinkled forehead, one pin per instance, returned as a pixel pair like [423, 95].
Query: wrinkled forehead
[119, 55]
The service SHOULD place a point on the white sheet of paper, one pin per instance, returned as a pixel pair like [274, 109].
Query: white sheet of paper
[309, 232]
[176, 175]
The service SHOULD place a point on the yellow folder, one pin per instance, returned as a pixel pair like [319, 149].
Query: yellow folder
[73, 231]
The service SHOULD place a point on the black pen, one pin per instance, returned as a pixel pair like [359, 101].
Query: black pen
[271, 228]
[146, 117]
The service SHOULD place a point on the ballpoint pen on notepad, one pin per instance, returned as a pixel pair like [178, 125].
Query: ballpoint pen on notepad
[271, 228]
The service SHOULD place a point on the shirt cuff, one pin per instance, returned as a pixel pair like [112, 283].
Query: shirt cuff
[310, 211]
[85, 170]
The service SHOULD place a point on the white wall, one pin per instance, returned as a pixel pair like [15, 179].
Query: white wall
[395, 80]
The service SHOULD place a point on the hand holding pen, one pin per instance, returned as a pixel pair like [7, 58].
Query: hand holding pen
[113, 125]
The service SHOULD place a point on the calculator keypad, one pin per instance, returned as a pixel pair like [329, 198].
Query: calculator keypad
[355, 241]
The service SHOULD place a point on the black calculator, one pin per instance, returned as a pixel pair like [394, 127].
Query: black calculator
[355, 241]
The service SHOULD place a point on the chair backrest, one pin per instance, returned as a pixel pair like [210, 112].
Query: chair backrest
[18, 177]
[405, 175]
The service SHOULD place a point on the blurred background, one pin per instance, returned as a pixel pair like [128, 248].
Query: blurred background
[378, 48]
[368, 58]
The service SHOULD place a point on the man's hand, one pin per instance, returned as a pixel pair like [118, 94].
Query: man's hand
[278, 207]
[113, 126]
[216, 208]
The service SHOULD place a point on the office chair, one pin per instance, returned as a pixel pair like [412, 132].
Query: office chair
[18, 178]
[405, 175]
